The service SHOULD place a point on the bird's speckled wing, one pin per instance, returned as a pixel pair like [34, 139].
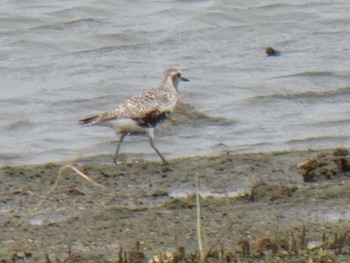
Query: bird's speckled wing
[137, 107]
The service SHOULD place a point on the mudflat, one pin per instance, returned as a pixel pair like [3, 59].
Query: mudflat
[271, 206]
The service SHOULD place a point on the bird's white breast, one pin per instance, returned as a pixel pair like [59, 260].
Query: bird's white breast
[170, 103]
[124, 125]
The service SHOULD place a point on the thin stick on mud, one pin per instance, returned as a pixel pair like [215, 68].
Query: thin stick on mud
[87, 178]
[199, 223]
[53, 188]
[204, 254]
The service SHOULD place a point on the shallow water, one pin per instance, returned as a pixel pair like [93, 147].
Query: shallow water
[62, 60]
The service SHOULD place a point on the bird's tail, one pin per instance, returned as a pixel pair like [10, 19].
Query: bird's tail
[89, 120]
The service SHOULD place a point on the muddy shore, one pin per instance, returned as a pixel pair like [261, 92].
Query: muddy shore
[253, 205]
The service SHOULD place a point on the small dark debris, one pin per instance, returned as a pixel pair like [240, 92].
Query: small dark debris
[271, 52]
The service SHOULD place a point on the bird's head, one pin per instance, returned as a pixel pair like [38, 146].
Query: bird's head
[174, 76]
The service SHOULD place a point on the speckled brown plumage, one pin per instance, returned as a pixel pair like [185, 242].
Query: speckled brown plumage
[138, 107]
[142, 112]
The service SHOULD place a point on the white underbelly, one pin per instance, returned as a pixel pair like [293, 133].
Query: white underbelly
[124, 125]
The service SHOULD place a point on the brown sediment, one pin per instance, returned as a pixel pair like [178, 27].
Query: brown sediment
[141, 217]
[326, 165]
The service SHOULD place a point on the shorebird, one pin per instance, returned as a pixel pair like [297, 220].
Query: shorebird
[143, 112]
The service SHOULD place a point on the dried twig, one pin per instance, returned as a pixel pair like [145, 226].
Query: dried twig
[71, 166]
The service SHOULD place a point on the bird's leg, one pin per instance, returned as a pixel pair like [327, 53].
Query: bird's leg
[121, 139]
[154, 148]
[151, 142]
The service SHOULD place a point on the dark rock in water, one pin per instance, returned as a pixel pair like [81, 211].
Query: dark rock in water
[270, 51]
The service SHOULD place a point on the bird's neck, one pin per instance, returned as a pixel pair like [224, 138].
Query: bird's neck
[169, 84]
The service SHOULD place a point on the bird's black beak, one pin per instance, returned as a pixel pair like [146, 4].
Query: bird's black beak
[184, 79]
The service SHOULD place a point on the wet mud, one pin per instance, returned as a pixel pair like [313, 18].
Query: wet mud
[254, 206]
